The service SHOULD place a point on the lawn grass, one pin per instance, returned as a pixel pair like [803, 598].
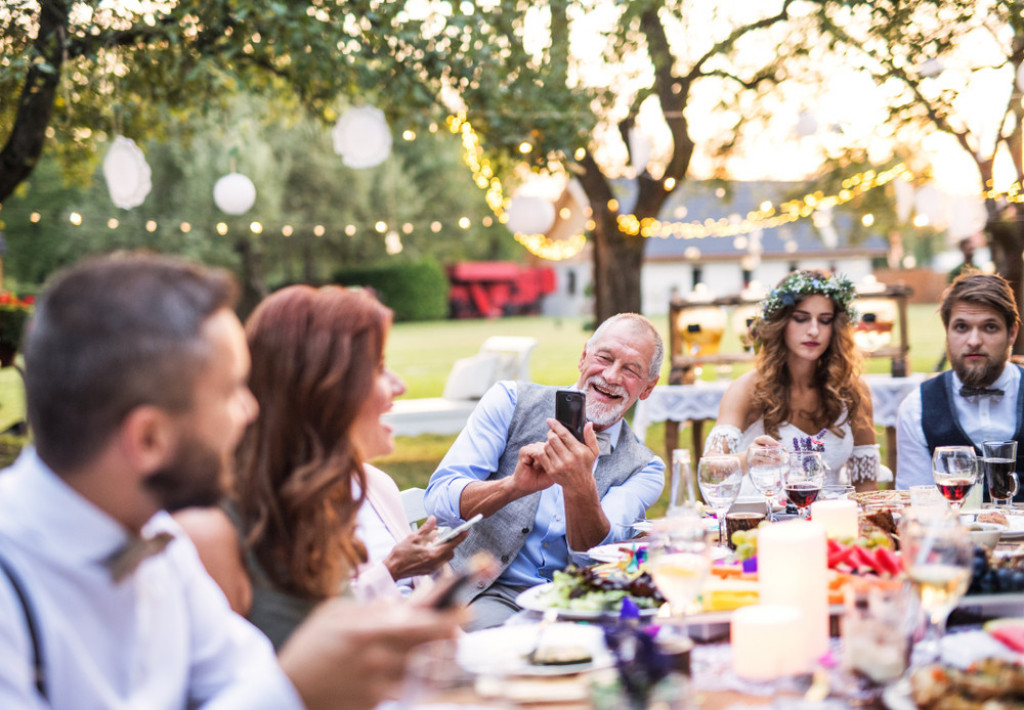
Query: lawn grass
[423, 354]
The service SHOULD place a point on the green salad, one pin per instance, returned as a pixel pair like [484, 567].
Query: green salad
[597, 589]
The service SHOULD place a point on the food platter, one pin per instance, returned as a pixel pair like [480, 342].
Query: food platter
[533, 599]
[504, 650]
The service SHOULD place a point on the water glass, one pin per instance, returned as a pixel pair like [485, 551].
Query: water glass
[719, 477]
[955, 471]
[765, 464]
[679, 562]
[836, 491]
[999, 459]
[803, 479]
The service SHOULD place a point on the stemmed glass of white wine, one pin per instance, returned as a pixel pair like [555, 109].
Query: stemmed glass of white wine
[719, 477]
[765, 465]
[937, 557]
[679, 561]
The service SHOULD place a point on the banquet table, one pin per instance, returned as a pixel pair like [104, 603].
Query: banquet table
[699, 402]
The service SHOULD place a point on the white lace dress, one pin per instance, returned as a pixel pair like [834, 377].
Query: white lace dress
[846, 463]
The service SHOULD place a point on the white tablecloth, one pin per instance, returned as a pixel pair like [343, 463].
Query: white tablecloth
[700, 401]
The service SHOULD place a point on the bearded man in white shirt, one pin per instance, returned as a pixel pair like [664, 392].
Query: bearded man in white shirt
[136, 385]
[980, 399]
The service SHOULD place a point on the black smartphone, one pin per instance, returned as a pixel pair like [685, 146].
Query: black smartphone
[571, 411]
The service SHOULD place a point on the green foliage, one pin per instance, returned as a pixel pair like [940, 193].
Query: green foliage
[415, 291]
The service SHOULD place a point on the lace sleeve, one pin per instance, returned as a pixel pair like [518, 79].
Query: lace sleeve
[723, 439]
[863, 463]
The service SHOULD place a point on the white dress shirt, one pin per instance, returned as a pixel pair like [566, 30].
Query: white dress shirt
[164, 638]
[982, 419]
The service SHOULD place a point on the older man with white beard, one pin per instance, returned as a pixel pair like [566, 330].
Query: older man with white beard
[544, 495]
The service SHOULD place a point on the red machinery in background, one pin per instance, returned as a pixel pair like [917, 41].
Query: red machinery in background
[489, 289]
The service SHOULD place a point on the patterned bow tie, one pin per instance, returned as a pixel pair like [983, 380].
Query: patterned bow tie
[966, 391]
[126, 560]
[604, 443]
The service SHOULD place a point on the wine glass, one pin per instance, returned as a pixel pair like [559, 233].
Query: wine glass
[803, 479]
[719, 477]
[955, 471]
[679, 561]
[765, 464]
[937, 557]
[999, 461]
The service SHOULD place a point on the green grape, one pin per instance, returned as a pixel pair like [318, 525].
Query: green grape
[745, 551]
[739, 537]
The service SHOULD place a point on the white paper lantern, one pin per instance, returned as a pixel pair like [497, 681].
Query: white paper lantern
[234, 194]
[127, 173]
[362, 137]
[806, 124]
[530, 215]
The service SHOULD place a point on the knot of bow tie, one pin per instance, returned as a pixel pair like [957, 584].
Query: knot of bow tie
[126, 560]
[967, 391]
[604, 443]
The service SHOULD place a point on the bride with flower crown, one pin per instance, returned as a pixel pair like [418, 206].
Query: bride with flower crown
[806, 381]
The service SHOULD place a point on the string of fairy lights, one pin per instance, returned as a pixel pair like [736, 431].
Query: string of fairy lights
[767, 216]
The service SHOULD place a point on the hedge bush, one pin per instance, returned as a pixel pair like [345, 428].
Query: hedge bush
[415, 291]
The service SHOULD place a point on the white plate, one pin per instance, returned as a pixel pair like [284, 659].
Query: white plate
[532, 600]
[897, 696]
[503, 649]
[643, 525]
[619, 551]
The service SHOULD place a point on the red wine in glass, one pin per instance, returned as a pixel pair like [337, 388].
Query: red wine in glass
[802, 494]
[955, 489]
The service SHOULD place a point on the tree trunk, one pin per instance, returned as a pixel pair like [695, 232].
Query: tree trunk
[24, 146]
[618, 261]
[1006, 240]
[253, 284]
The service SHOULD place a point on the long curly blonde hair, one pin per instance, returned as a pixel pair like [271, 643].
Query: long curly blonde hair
[837, 377]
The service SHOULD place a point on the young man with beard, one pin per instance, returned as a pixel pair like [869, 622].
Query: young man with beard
[544, 495]
[980, 399]
[136, 385]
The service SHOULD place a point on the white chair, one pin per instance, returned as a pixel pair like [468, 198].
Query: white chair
[412, 502]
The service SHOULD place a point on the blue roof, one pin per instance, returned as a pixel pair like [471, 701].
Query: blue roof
[696, 201]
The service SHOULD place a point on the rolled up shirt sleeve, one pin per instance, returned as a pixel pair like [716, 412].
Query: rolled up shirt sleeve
[475, 454]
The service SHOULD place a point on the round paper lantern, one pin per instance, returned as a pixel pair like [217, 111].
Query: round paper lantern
[806, 124]
[127, 173]
[234, 193]
[362, 137]
[530, 215]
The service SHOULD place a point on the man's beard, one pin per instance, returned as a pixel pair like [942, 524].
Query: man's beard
[195, 477]
[602, 414]
[980, 375]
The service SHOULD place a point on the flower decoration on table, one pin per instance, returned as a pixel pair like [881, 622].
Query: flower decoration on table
[14, 312]
[810, 443]
[799, 285]
[642, 668]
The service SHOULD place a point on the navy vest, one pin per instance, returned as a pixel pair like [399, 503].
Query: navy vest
[942, 427]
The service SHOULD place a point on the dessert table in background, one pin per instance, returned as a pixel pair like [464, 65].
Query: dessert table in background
[698, 403]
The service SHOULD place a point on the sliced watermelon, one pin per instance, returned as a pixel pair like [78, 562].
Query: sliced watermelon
[1008, 631]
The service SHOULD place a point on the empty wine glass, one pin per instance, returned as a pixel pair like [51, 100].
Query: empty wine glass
[803, 479]
[937, 556]
[719, 477]
[765, 464]
[955, 471]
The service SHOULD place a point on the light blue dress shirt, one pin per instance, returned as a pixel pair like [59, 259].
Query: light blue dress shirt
[474, 457]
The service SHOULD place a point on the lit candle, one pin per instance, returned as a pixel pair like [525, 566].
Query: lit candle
[764, 646]
[838, 516]
[792, 570]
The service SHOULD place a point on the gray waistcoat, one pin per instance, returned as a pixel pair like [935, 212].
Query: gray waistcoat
[505, 532]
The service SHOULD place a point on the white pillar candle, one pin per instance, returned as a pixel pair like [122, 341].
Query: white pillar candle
[792, 570]
[764, 645]
[838, 516]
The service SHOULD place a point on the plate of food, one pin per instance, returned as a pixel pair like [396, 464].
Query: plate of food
[592, 593]
[556, 649]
